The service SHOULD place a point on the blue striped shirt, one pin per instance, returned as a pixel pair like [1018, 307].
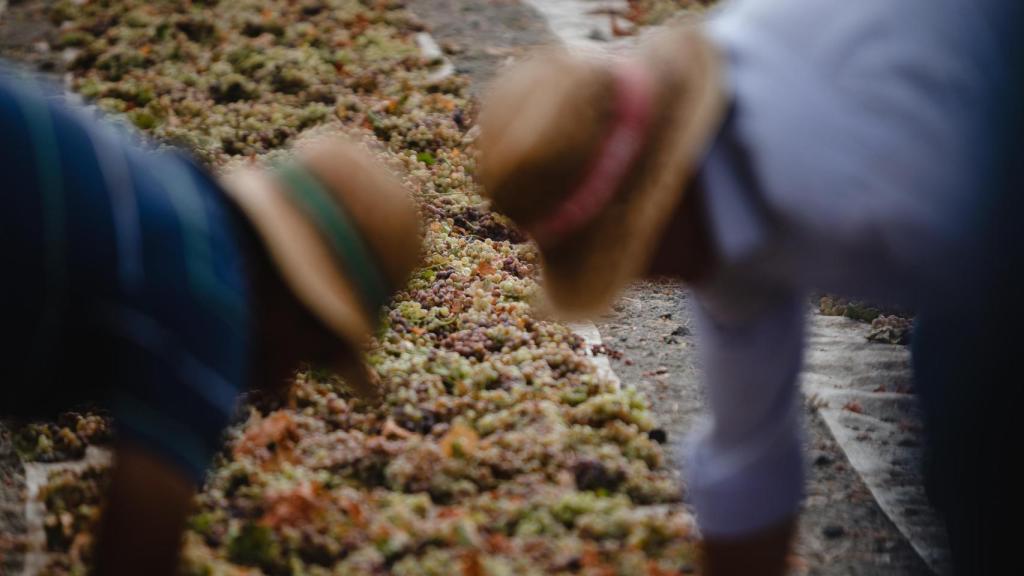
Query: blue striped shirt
[123, 278]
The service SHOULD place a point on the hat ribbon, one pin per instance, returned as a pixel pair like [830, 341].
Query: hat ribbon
[337, 228]
[633, 94]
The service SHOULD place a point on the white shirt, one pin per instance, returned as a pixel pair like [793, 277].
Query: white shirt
[848, 164]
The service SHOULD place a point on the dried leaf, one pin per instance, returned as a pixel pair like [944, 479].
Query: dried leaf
[485, 268]
[460, 441]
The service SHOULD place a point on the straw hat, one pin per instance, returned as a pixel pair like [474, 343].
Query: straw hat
[343, 233]
[592, 157]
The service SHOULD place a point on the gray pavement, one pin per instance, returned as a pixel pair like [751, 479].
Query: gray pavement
[863, 392]
[480, 36]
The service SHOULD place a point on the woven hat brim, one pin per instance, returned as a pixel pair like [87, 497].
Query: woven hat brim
[306, 264]
[584, 274]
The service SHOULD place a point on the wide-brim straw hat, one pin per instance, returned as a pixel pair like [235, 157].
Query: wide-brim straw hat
[342, 232]
[592, 157]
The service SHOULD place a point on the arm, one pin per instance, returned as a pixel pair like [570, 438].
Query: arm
[763, 552]
[143, 521]
[746, 491]
[745, 470]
